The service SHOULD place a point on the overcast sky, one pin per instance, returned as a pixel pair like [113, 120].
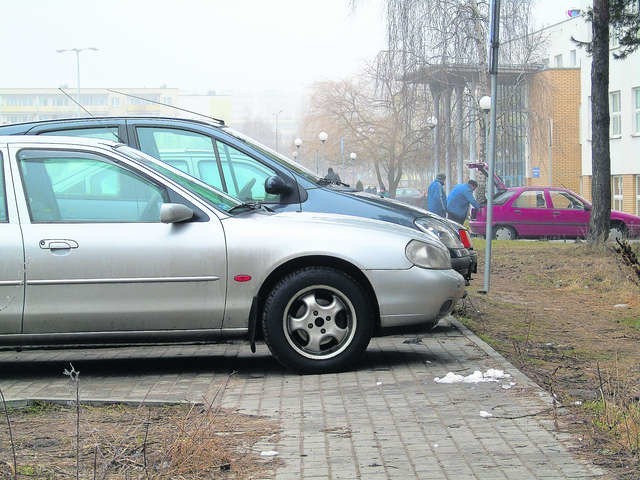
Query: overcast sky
[194, 45]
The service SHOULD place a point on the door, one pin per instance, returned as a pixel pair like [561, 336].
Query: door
[528, 213]
[98, 257]
[11, 257]
[571, 219]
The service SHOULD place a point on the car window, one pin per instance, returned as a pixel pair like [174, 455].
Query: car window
[244, 175]
[79, 187]
[104, 133]
[502, 197]
[3, 194]
[565, 200]
[531, 199]
[187, 151]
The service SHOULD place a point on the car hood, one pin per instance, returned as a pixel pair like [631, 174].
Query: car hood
[369, 244]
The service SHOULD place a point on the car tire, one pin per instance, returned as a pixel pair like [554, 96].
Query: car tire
[504, 232]
[317, 319]
[617, 231]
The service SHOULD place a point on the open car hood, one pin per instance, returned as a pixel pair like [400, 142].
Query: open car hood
[484, 169]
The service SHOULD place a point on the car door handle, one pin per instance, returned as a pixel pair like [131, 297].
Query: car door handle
[517, 211]
[58, 244]
[555, 214]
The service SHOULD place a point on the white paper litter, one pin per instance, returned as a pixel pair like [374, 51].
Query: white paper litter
[484, 414]
[268, 453]
[491, 375]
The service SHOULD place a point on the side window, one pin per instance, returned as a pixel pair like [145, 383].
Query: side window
[3, 193]
[244, 175]
[104, 133]
[80, 187]
[531, 199]
[187, 151]
[564, 200]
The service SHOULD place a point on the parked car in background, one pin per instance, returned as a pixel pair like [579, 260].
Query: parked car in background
[251, 172]
[544, 212]
[101, 243]
[412, 196]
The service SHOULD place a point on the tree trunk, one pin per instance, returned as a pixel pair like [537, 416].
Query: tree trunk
[600, 154]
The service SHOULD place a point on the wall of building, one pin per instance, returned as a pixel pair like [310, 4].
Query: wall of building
[555, 152]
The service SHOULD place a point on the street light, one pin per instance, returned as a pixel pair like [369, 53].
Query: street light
[276, 115]
[322, 136]
[77, 52]
[485, 106]
[298, 143]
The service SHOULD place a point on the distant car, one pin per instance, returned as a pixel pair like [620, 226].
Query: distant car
[412, 196]
[251, 172]
[544, 212]
[101, 243]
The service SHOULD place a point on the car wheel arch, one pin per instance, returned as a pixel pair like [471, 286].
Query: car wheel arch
[318, 261]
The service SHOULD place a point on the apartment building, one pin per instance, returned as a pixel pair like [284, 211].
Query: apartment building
[624, 109]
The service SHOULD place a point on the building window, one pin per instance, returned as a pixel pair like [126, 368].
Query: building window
[616, 185]
[615, 112]
[557, 61]
[573, 58]
[636, 117]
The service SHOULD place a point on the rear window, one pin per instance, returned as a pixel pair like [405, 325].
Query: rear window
[502, 198]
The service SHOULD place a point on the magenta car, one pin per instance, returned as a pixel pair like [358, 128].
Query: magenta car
[544, 212]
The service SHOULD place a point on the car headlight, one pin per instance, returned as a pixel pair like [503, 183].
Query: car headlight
[446, 235]
[428, 255]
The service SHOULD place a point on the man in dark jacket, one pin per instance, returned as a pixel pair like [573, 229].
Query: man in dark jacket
[436, 198]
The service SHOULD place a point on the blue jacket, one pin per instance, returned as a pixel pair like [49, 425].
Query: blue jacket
[459, 200]
[436, 199]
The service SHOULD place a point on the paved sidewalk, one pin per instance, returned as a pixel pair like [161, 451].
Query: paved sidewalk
[386, 419]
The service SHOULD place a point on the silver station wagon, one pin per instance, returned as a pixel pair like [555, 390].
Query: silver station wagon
[100, 243]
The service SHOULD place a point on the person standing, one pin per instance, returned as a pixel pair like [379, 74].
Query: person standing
[436, 198]
[332, 176]
[459, 199]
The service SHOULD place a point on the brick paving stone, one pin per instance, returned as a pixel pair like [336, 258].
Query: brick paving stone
[385, 419]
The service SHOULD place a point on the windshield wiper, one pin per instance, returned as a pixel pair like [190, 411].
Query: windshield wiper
[324, 181]
[250, 206]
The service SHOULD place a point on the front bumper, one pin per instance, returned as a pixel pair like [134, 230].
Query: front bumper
[416, 295]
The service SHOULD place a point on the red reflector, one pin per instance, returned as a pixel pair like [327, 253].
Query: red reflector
[242, 278]
[465, 238]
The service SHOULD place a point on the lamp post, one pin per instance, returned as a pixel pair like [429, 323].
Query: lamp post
[352, 157]
[322, 136]
[298, 143]
[276, 115]
[432, 123]
[77, 52]
[485, 106]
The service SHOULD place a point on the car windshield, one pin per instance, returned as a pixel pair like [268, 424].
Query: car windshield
[208, 194]
[277, 157]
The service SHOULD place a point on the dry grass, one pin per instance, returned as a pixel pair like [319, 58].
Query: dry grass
[127, 442]
[568, 315]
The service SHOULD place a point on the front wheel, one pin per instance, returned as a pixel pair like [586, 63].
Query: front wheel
[317, 319]
[504, 232]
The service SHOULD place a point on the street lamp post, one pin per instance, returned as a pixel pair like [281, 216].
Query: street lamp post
[77, 52]
[352, 157]
[276, 115]
[432, 123]
[322, 136]
[298, 143]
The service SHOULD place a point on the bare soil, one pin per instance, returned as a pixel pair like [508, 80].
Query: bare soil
[568, 315]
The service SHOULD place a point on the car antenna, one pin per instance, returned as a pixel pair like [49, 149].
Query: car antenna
[218, 120]
[76, 102]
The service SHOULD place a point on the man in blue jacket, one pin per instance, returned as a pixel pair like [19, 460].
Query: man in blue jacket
[459, 200]
[436, 198]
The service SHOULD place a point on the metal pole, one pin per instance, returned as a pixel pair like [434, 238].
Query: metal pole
[493, 70]
[77, 50]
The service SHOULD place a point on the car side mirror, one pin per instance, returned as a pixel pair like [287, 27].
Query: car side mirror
[275, 185]
[175, 213]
